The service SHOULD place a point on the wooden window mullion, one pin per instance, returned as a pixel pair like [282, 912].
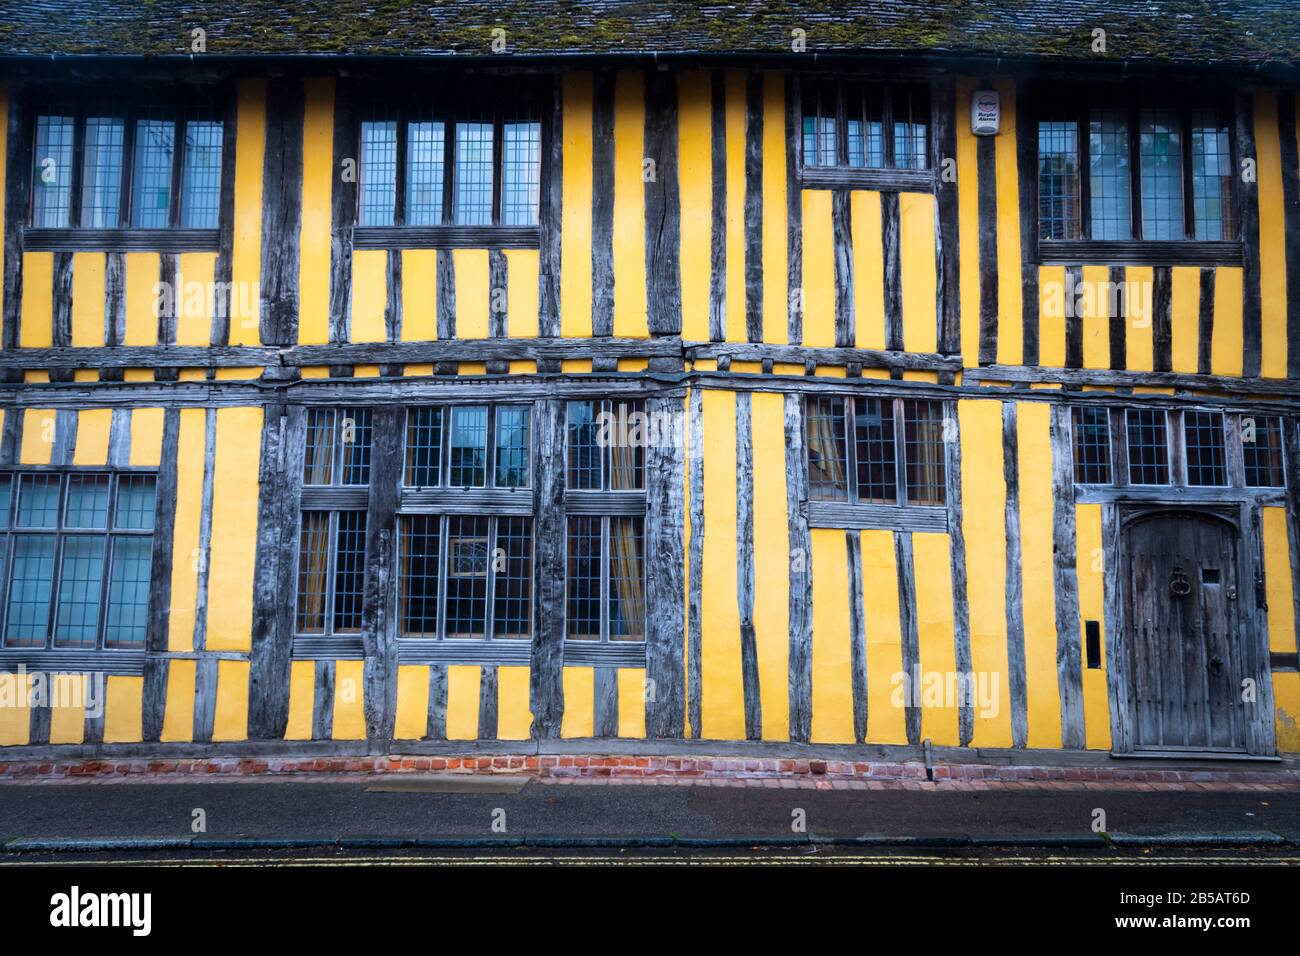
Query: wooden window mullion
[895, 406]
[604, 578]
[400, 171]
[1083, 137]
[444, 557]
[498, 162]
[1176, 447]
[1189, 198]
[128, 169]
[448, 166]
[101, 632]
[178, 168]
[56, 586]
[1135, 170]
[887, 125]
[489, 582]
[78, 163]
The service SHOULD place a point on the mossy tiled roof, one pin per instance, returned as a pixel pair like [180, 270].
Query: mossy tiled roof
[1195, 31]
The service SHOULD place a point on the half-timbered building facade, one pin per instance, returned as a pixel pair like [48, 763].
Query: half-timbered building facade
[639, 378]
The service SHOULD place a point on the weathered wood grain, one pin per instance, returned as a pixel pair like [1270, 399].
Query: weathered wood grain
[546, 677]
[909, 631]
[602, 202]
[745, 565]
[665, 469]
[695, 631]
[753, 213]
[282, 172]
[857, 635]
[1248, 226]
[663, 208]
[800, 573]
[1014, 579]
[1064, 548]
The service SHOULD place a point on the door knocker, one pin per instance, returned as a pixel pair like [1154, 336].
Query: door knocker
[1179, 586]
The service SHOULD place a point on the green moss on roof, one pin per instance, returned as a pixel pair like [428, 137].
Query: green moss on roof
[1189, 30]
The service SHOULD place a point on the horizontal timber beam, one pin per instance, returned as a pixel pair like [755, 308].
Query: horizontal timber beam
[1111, 378]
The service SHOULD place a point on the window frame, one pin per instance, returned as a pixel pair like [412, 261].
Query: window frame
[1054, 103]
[841, 175]
[444, 502]
[1177, 465]
[606, 505]
[122, 655]
[215, 105]
[497, 98]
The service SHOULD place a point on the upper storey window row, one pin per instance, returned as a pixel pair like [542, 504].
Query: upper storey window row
[155, 168]
[865, 125]
[1124, 173]
[464, 163]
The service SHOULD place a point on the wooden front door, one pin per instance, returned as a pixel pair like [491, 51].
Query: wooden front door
[1181, 619]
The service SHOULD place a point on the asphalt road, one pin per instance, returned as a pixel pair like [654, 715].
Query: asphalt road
[367, 811]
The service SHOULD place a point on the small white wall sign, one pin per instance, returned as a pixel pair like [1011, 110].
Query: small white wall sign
[985, 112]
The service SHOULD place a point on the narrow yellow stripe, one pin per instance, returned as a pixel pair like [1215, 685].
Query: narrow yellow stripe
[369, 295]
[868, 270]
[412, 718]
[1272, 237]
[419, 295]
[984, 527]
[722, 690]
[933, 568]
[968, 227]
[462, 702]
[37, 330]
[579, 702]
[317, 188]
[629, 206]
[1186, 318]
[832, 688]
[514, 718]
[886, 721]
[735, 125]
[1139, 281]
[38, 436]
[67, 708]
[1010, 326]
[1051, 316]
[1090, 568]
[776, 235]
[178, 713]
[302, 700]
[1286, 696]
[1095, 305]
[230, 720]
[92, 436]
[88, 299]
[473, 282]
[1038, 581]
[522, 267]
[1277, 575]
[920, 283]
[195, 292]
[1226, 349]
[234, 528]
[818, 270]
[631, 701]
[15, 717]
[246, 255]
[142, 275]
[695, 176]
[349, 700]
[146, 437]
[185, 537]
[771, 563]
[124, 710]
[575, 237]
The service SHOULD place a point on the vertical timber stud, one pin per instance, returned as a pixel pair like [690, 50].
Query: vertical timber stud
[602, 203]
[1015, 585]
[1205, 330]
[282, 211]
[957, 560]
[800, 576]
[718, 211]
[549, 215]
[1286, 132]
[546, 690]
[343, 211]
[754, 206]
[857, 634]
[943, 95]
[1117, 309]
[1162, 319]
[17, 195]
[842, 235]
[745, 564]
[1064, 549]
[1248, 217]
[379, 605]
[156, 662]
[283, 447]
[986, 170]
[793, 210]
[695, 635]
[665, 468]
[909, 632]
[221, 306]
[891, 250]
[1027, 176]
[1291, 459]
[1117, 652]
[1074, 320]
[61, 312]
[663, 210]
